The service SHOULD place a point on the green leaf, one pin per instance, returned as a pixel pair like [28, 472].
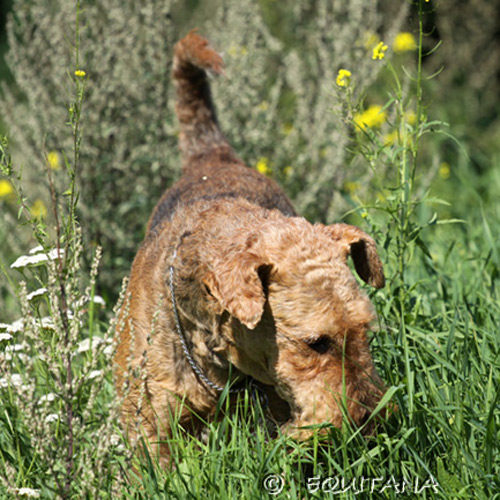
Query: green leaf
[448, 482]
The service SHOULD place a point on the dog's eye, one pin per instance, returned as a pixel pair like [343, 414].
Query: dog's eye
[320, 344]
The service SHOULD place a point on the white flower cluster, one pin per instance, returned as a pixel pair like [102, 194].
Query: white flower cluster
[37, 256]
[15, 327]
[36, 293]
[14, 380]
[48, 398]
[47, 323]
[84, 345]
[99, 300]
[28, 492]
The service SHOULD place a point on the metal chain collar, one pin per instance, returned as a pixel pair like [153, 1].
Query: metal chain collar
[182, 339]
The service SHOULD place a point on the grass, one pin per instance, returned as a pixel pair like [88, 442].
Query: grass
[436, 345]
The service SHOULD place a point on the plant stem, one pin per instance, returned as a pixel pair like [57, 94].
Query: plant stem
[410, 145]
[419, 88]
[71, 230]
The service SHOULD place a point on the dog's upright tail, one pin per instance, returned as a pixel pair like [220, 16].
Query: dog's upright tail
[200, 133]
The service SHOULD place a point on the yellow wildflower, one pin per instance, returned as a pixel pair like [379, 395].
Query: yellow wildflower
[343, 78]
[263, 106]
[235, 51]
[379, 50]
[38, 209]
[54, 160]
[288, 170]
[287, 128]
[351, 186]
[382, 196]
[411, 117]
[371, 117]
[6, 188]
[391, 138]
[80, 73]
[263, 166]
[404, 42]
[444, 170]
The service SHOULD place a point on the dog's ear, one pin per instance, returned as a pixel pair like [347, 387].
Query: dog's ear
[239, 284]
[362, 249]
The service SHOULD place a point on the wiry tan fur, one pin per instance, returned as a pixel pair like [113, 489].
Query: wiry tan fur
[260, 291]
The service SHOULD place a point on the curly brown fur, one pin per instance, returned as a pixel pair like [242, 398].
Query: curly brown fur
[260, 292]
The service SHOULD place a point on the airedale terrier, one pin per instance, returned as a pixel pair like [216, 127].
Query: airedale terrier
[231, 283]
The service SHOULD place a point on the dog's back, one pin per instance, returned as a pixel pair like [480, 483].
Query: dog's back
[211, 168]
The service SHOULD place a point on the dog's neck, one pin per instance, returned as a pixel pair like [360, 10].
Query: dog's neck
[211, 377]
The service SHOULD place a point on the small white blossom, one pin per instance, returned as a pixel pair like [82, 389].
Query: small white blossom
[5, 336]
[114, 439]
[28, 492]
[84, 345]
[99, 300]
[48, 397]
[94, 374]
[47, 322]
[108, 350]
[36, 293]
[19, 356]
[53, 417]
[54, 254]
[15, 380]
[16, 327]
[13, 351]
[37, 249]
[14, 348]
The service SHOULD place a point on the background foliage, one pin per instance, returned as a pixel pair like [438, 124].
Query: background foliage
[128, 161]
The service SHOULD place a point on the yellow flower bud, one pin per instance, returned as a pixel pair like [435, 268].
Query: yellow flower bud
[343, 78]
[379, 51]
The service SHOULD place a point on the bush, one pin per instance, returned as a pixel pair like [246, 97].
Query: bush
[130, 145]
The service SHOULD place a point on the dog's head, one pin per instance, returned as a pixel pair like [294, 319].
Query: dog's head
[300, 317]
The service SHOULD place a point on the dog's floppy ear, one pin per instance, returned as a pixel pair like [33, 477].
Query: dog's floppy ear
[361, 248]
[237, 284]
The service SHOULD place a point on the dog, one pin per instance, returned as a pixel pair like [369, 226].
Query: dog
[230, 283]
